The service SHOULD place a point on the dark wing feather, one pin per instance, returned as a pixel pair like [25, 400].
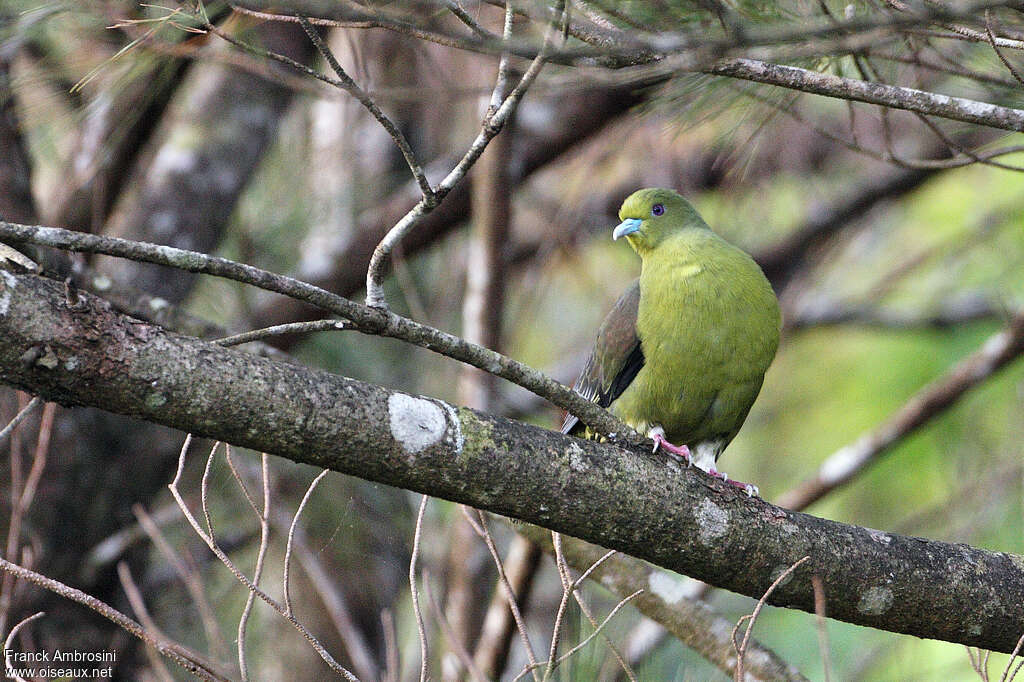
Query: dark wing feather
[615, 360]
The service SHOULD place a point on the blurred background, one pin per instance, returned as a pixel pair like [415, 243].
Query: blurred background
[895, 243]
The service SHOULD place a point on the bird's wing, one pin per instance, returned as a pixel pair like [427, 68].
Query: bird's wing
[616, 358]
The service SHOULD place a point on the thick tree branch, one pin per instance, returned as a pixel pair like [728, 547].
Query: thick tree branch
[368, 320]
[627, 500]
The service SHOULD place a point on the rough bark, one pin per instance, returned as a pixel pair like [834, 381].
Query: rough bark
[623, 499]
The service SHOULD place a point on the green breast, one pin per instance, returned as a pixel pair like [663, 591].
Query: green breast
[708, 323]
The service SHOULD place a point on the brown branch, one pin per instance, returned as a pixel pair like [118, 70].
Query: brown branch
[624, 499]
[187, 659]
[783, 260]
[997, 352]
[483, 306]
[368, 320]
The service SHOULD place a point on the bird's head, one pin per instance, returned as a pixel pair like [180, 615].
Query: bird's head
[650, 215]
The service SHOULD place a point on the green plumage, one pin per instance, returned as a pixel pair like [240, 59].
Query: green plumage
[686, 348]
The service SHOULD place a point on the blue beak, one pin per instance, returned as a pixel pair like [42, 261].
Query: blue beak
[627, 226]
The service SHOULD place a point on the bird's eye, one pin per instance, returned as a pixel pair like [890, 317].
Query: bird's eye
[658, 209]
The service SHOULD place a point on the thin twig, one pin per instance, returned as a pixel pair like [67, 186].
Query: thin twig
[469, 21]
[593, 567]
[1006, 671]
[32, 406]
[995, 48]
[261, 554]
[332, 596]
[138, 604]
[187, 659]
[567, 586]
[501, 82]
[286, 588]
[219, 553]
[23, 492]
[598, 630]
[9, 644]
[282, 330]
[188, 576]
[492, 125]
[480, 526]
[741, 649]
[420, 629]
[350, 86]
[619, 658]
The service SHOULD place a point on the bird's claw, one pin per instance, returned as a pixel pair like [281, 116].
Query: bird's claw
[750, 489]
[680, 453]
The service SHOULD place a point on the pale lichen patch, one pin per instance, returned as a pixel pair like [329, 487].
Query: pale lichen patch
[879, 536]
[10, 281]
[875, 601]
[713, 521]
[416, 423]
[577, 462]
[458, 439]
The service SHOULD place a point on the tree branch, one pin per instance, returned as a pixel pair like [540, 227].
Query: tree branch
[894, 96]
[998, 351]
[623, 499]
[375, 321]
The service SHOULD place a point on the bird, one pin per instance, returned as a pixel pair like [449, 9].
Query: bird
[683, 353]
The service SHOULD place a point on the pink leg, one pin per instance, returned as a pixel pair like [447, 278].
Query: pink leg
[681, 452]
[749, 489]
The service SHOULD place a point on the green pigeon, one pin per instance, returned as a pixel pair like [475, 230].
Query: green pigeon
[682, 355]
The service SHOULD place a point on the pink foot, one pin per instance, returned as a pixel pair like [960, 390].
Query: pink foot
[749, 489]
[679, 452]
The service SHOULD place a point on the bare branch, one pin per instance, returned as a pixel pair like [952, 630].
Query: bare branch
[365, 319]
[345, 82]
[667, 602]
[480, 526]
[32, 406]
[224, 559]
[286, 589]
[741, 649]
[9, 643]
[894, 96]
[187, 574]
[674, 517]
[281, 330]
[420, 629]
[492, 125]
[138, 604]
[998, 351]
[188, 660]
